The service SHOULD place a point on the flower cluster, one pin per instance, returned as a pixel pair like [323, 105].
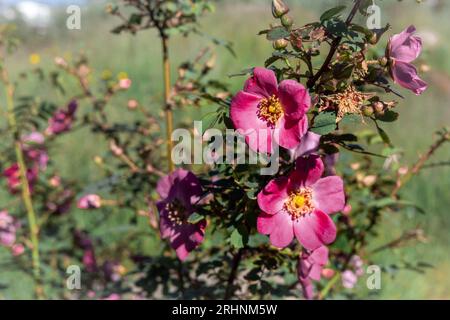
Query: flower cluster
[36, 156]
[8, 230]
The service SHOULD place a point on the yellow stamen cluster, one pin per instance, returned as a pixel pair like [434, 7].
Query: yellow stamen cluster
[176, 212]
[299, 203]
[270, 110]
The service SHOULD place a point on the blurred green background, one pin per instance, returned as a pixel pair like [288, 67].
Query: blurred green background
[239, 22]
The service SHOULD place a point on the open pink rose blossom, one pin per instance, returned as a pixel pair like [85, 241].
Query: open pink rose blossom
[300, 205]
[180, 191]
[265, 111]
[404, 48]
[310, 268]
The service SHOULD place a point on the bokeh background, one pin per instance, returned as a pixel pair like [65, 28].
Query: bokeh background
[41, 27]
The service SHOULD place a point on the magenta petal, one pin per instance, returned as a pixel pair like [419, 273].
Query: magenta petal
[243, 112]
[263, 83]
[315, 272]
[295, 99]
[279, 226]
[404, 46]
[309, 144]
[182, 252]
[307, 171]
[328, 194]
[405, 74]
[291, 132]
[271, 199]
[163, 186]
[320, 255]
[315, 230]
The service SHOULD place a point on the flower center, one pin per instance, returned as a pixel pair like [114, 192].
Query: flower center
[270, 110]
[176, 212]
[299, 203]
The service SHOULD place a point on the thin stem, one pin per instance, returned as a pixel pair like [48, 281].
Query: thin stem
[329, 286]
[334, 46]
[419, 165]
[168, 107]
[25, 187]
[234, 270]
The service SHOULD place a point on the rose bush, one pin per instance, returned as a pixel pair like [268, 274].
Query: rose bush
[201, 231]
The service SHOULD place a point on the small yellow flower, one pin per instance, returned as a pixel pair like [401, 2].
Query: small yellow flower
[35, 58]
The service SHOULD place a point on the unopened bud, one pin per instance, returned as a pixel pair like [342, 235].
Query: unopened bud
[280, 44]
[133, 104]
[287, 21]
[378, 107]
[367, 111]
[115, 149]
[373, 39]
[98, 160]
[279, 8]
[383, 61]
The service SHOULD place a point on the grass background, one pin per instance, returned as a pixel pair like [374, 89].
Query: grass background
[239, 22]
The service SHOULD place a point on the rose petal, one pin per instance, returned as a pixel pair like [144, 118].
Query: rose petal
[328, 194]
[314, 230]
[294, 98]
[307, 171]
[243, 112]
[263, 83]
[271, 199]
[405, 74]
[291, 132]
[279, 226]
[404, 46]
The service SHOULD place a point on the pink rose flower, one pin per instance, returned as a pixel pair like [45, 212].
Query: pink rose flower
[265, 111]
[310, 268]
[300, 205]
[179, 192]
[404, 48]
[90, 201]
[12, 174]
[62, 119]
[8, 229]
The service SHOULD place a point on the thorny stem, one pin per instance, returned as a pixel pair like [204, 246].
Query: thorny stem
[234, 268]
[168, 107]
[334, 46]
[419, 165]
[25, 187]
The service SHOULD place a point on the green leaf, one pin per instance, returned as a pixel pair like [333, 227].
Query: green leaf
[239, 237]
[195, 218]
[277, 33]
[327, 15]
[324, 123]
[384, 136]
